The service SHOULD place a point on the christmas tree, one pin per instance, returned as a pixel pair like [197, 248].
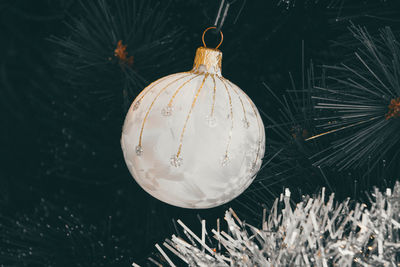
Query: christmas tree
[323, 75]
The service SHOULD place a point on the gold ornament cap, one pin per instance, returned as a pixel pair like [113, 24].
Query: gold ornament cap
[207, 60]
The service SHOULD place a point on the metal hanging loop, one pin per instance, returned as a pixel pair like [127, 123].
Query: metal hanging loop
[222, 37]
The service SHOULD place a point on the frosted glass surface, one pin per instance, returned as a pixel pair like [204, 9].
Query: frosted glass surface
[193, 140]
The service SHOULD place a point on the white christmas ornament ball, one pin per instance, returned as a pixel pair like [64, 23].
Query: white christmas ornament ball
[194, 139]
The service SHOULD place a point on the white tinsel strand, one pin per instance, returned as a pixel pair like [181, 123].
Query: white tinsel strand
[316, 232]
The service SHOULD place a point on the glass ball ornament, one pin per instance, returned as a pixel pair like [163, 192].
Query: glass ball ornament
[194, 139]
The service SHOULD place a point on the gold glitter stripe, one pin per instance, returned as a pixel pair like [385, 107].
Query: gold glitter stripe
[178, 90]
[152, 103]
[241, 102]
[213, 99]
[258, 123]
[188, 116]
[230, 105]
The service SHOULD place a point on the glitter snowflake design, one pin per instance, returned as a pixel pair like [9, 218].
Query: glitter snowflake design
[136, 105]
[211, 121]
[176, 161]
[246, 123]
[139, 150]
[225, 160]
[167, 111]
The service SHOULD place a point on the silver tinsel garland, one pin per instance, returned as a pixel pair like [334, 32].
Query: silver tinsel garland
[316, 232]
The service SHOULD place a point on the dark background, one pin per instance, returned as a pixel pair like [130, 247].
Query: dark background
[66, 196]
